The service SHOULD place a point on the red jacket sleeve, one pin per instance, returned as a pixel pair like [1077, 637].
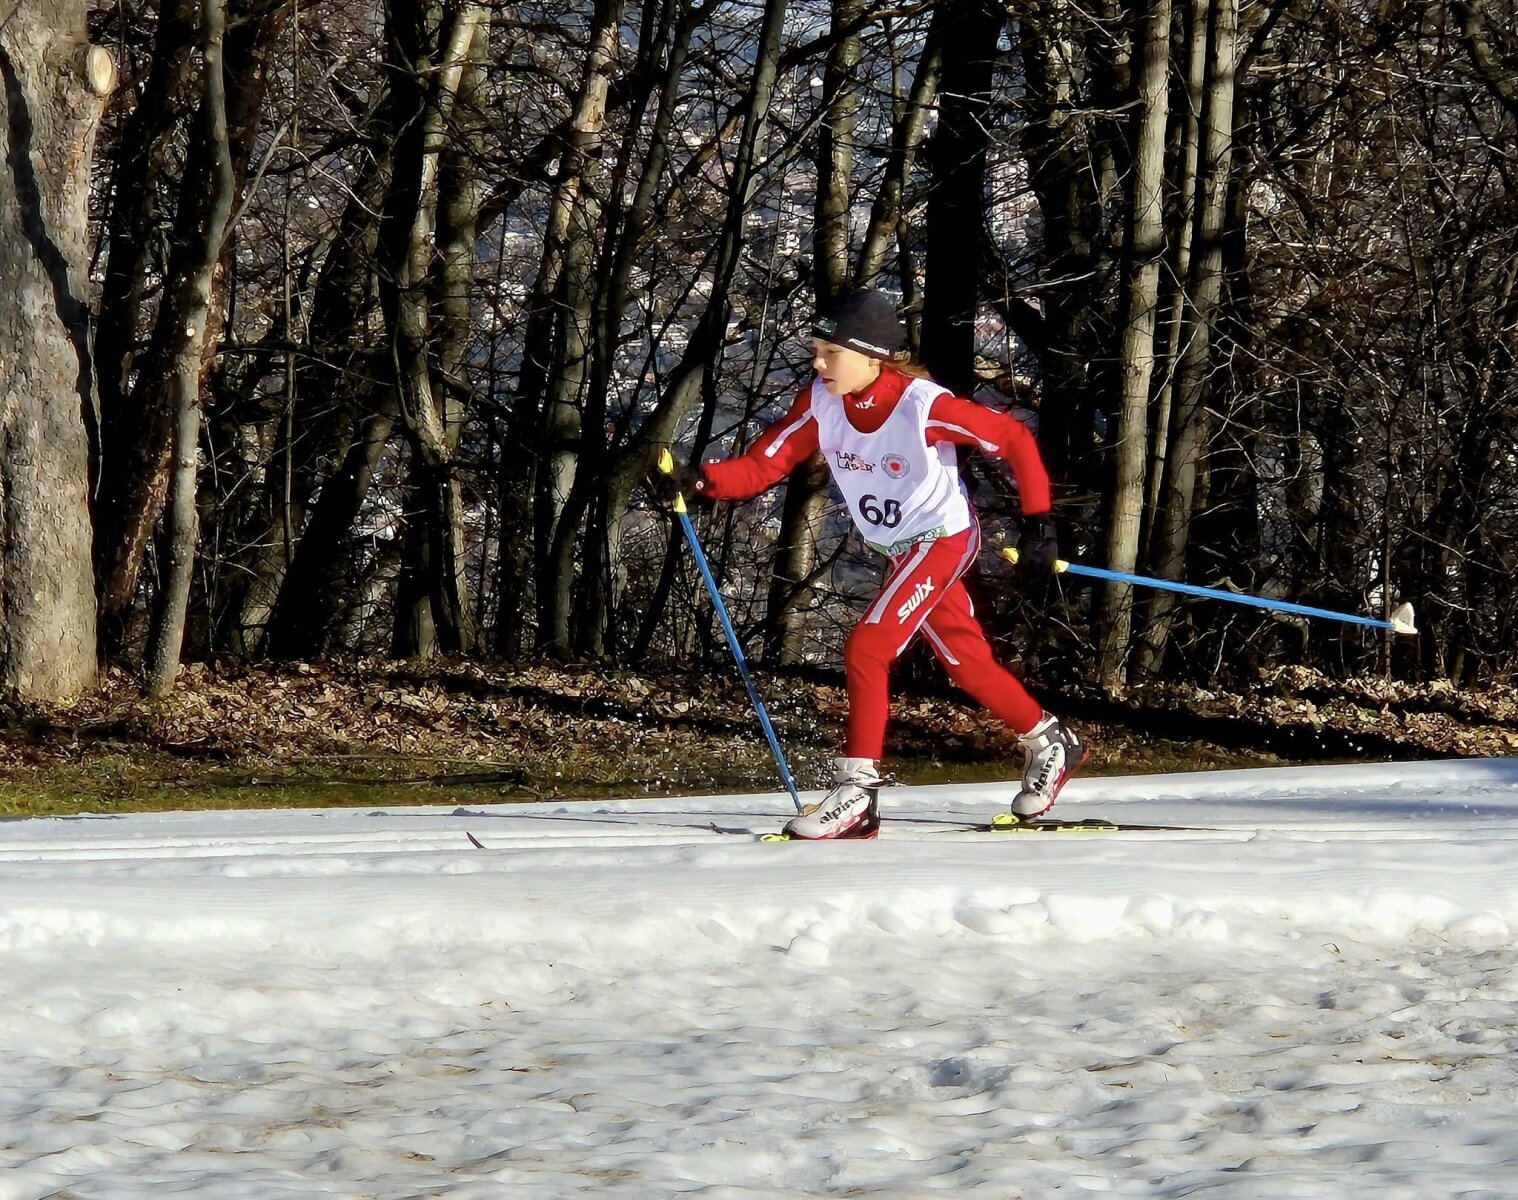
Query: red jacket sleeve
[778, 451]
[965, 423]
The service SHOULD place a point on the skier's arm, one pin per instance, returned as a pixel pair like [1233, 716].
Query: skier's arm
[778, 451]
[965, 423]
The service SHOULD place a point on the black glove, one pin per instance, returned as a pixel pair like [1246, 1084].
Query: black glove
[684, 480]
[1038, 548]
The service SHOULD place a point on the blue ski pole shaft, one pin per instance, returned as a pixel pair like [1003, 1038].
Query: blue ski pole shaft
[667, 465]
[1401, 619]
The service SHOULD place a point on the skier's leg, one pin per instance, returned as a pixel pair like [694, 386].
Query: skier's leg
[916, 582]
[1054, 752]
[960, 644]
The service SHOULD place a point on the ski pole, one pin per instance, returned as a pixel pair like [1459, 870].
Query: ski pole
[1401, 618]
[667, 466]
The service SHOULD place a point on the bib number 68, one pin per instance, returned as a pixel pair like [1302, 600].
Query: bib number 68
[886, 513]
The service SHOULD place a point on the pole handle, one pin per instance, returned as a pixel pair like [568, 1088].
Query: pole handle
[667, 467]
[1011, 555]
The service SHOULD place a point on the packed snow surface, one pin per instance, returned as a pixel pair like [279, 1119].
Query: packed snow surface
[1308, 988]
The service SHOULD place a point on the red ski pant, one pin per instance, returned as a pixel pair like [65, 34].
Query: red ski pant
[922, 590]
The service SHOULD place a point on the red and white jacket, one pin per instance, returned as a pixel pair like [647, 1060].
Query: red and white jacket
[890, 449]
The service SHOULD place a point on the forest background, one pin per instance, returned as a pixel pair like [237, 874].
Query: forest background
[341, 335]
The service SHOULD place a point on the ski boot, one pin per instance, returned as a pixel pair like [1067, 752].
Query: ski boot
[1054, 753]
[850, 810]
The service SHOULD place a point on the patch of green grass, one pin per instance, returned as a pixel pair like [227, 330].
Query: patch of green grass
[123, 779]
[126, 782]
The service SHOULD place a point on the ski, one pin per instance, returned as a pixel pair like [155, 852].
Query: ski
[1007, 822]
[1002, 823]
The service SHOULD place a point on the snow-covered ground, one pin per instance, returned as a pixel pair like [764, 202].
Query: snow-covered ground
[1313, 992]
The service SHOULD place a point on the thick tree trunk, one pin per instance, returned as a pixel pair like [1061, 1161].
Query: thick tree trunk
[1075, 264]
[460, 195]
[1145, 251]
[956, 211]
[429, 83]
[54, 81]
[1180, 258]
[514, 490]
[1189, 418]
[906, 139]
[575, 230]
[835, 154]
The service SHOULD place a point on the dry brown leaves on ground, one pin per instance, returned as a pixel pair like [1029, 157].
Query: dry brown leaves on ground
[577, 730]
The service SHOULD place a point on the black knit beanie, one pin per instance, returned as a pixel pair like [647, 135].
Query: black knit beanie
[865, 321]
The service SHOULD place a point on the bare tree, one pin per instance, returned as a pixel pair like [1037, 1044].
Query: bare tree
[1141, 284]
[568, 279]
[431, 50]
[1194, 370]
[193, 302]
[955, 220]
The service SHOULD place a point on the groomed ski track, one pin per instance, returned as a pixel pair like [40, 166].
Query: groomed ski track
[1309, 995]
[1314, 845]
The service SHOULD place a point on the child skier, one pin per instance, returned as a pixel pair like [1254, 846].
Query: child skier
[888, 436]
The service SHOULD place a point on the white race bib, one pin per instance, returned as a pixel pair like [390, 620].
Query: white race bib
[899, 489]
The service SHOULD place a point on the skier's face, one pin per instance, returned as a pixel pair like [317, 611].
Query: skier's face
[843, 370]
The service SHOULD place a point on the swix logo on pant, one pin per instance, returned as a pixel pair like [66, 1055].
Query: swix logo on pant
[852, 462]
[920, 593]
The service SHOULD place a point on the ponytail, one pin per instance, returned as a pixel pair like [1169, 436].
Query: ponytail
[911, 367]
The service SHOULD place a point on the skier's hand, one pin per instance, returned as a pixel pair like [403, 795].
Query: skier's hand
[1038, 549]
[683, 479]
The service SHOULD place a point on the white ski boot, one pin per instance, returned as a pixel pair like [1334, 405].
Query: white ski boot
[849, 810]
[1054, 753]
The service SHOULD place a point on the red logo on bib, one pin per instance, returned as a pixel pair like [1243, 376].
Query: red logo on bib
[895, 466]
